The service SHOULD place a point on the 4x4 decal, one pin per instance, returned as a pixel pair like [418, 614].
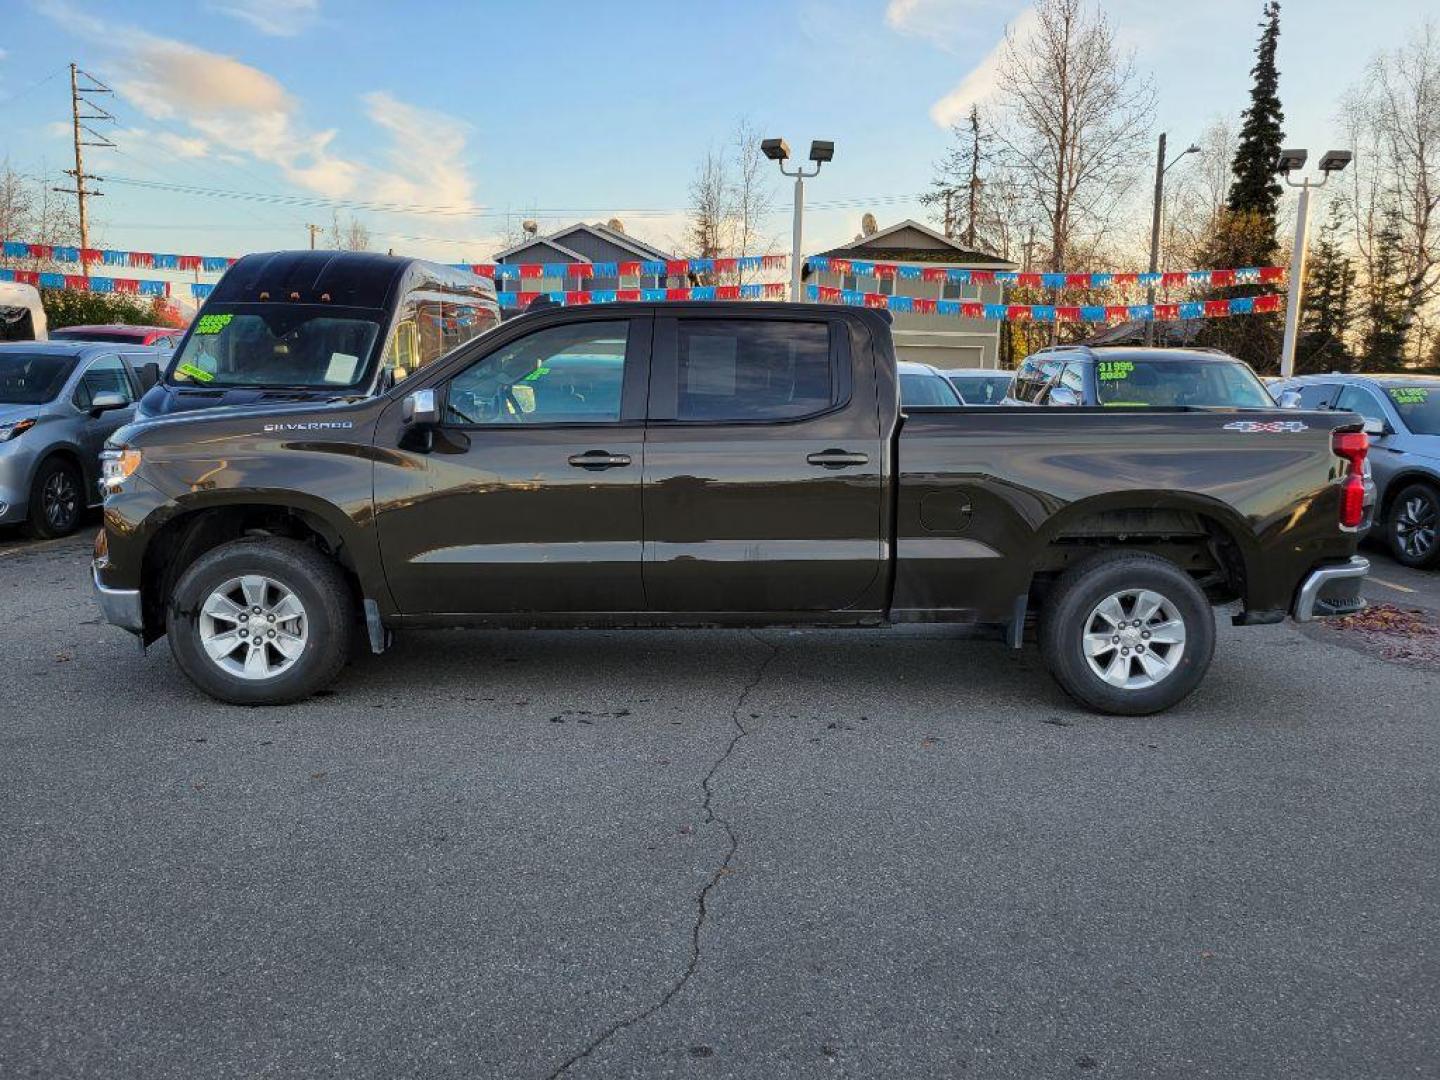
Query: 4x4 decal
[1266, 427]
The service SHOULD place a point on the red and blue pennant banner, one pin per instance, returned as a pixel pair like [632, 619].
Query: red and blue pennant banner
[774, 290]
[145, 260]
[1249, 275]
[585, 271]
[1088, 313]
[86, 282]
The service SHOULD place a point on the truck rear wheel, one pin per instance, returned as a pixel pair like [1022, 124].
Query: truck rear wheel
[262, 621]
[1127, 633]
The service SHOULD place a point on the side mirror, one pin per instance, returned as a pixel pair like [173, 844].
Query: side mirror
[1378, 429]
[1062, 395]
[149, 375]
[1289, 399]
[106, 401]
[421, 408]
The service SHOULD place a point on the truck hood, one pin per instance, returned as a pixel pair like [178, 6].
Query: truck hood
[205, 427]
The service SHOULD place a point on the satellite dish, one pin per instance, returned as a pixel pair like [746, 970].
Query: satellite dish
[616, 224]
[530, 227]
[868, 225]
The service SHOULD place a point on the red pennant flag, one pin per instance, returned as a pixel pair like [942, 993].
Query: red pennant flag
[577, 296]
[1268, 303]
[231, 262]
[142, 259]
[1027, 281]
[775, 290]
[1018, 312]
[77, 281]
[727, 266]
[1067, 314]
[677, 266]
[1125, 279]
[627, 295]
[1077, 281]
[876, 300]
[727, 292]
[579, 270]
[1118, 311]
[483, 270]
[1174, 280]
[830, 294]
[885, 270]
[189, 262]
[923, 305]
[840, 266]
[629, 269]
[772, 262]
[933, 273]
[972, 311]
[27, 277]
[90, 255]
[126, 285]
[982, 277]
[41, 251]
[677, 294]
[1167, 311]
[1271, 273]
[527, 298]
[1222, 277]
[1217, 309]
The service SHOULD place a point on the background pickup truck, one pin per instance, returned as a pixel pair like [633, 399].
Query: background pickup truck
[718, 465]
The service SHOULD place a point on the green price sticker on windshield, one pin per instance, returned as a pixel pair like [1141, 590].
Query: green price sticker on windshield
[1410, 395]
[199, 374]
[1114, 370]
[212, 324]
[537, 374]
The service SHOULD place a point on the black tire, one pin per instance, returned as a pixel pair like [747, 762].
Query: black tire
[1412, 527]
[328, 615]
[1067, 617]
[57, 499]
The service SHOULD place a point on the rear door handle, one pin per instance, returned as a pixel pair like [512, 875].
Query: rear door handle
[837, 459]
[596, 460]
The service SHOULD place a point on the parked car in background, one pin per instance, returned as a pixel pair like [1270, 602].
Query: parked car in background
[1402, 416]
[980, 386]
[59, 401]
[923, 386]
[1121, 376]
[318, 325]
[121, 334]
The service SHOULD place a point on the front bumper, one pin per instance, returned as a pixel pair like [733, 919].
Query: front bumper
[1331, 590]
[121, 607]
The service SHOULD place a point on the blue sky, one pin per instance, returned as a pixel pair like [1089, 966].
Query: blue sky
[585, 109]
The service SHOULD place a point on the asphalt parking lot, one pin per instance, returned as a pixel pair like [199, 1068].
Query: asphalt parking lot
[717, 854]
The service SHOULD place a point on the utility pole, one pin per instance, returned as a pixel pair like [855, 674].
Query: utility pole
[79, 102]
[975, 181]
[1160, 170]
[314, 231]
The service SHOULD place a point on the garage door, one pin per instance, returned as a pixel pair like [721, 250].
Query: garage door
[943, 356]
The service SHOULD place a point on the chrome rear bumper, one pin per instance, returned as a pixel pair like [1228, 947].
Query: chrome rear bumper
[121, 607]
[1331, 590]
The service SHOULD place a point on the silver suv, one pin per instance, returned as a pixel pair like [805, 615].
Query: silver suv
[59, 401]
[1402, 415]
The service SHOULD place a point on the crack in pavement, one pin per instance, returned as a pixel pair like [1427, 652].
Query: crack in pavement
[702, 911]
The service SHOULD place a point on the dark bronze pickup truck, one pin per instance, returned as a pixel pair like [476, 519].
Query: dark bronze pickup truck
[718, 465]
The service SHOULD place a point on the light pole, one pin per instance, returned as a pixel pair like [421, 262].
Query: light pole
[778, 151]
[1160, 170]
[1292, 161]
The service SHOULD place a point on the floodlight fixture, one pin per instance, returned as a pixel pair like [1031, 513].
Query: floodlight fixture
[1335, 160]
[775, 149]
[822, 151]
[1291, 160]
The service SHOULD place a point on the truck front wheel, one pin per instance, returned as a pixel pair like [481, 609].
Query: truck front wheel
[260, 621]
[1127, 633]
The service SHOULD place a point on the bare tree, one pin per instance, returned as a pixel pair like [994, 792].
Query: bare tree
[1393, 118]
[31, 211]
[1074, 119]
[710, 207]
[730, 199]
[349, 234]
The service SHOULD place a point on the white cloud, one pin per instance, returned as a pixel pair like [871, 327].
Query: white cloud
[950, 24]
[278, 18]
[983, 79]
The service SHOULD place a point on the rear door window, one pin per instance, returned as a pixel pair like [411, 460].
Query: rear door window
[1317, 395]
[1357, 399]
[742, 370]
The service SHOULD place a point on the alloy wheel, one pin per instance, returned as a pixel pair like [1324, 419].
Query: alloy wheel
[253, 627]
[61, 500]
[1134, 639]
[1416, 520]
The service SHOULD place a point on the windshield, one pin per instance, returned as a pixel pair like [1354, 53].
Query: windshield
[1169, 383]
[918, 391]
[1418, 406]
[299, 346]
[32, 378]
[981, 389]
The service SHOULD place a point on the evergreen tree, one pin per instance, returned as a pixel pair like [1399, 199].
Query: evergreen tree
[1255, 189]
[1385, 315]
[1329, 302]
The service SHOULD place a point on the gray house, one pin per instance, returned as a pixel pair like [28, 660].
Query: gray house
[946, 341]
[582, 243]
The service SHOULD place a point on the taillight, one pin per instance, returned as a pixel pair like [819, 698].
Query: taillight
[1352, 446]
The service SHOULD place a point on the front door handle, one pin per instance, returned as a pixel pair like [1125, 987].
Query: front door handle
[837, 459]
[596, 460]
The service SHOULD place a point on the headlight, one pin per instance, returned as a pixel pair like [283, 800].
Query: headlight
[116, 466]
[16, 427]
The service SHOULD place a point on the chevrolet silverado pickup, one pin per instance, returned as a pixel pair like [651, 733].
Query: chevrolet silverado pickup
[715, 464]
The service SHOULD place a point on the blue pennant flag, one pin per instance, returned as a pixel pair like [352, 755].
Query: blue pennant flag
[702, 266]
[13, 249]
[751, 292]
[652, 294]
[507, 273]
[653, 266]
[1091, 313]
[606, 269]
[602, 296]
[66, 254]
[52, 281]
[1192, 310]
[1141, 311]
[1052, 281]
[553, 270]
[812, 292]
[166, 262]
[862, 269]
[947, 307]
[819, 263]
[750, 262]
[1242, 305]
[1002, 277]
[853, 297]
[508, 299]
[102, 284]
[1101, 281]
[910, 273]
[6, 275]
[200, 291]
[995, 311]
[118, 258]
[1043, 313]
[211, 264]
[1149, 278]
[152, 288]
[703, 292]
[902, 304]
